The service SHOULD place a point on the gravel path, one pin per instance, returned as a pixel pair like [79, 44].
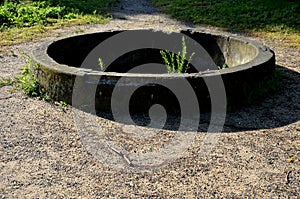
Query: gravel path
[43, 156]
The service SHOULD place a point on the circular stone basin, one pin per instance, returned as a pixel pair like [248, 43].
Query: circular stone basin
[58, 63]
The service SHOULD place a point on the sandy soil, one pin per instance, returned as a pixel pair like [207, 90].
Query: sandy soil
[43, 156]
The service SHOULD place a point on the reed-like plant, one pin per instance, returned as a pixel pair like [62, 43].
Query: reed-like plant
[177, 63]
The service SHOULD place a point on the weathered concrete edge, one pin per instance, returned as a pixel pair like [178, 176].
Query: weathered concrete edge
[58, 79]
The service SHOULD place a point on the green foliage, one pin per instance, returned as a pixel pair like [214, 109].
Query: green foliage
[28, 82]
[237, 14]
[223, 66]
[101, 64]
[63, 103]
[176, 63]
[30, 13]
[6, 82]
[25, 15]
[84, 6]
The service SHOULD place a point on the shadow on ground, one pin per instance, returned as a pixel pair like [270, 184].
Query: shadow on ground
[278, 109]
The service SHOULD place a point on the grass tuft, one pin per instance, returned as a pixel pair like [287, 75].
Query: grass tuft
[176, 63]
[28, 82]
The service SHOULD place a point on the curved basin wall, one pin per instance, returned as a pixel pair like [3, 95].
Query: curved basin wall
[56, 65]
[223, 49]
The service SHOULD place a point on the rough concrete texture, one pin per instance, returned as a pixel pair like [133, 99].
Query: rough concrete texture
[250, 64]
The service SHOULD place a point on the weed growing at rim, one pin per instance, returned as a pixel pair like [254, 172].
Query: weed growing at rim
[101, 64]
[27, 81]
[223, 66]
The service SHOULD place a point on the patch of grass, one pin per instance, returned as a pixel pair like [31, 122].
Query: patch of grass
[18, 35]
[23, 14]
[6, 82]
[236, 14]
[275, 17]
[176, 63]
[28, 82]
[29, 20]
[30, 13]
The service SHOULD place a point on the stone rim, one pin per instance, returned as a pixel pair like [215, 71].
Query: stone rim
[46, 68]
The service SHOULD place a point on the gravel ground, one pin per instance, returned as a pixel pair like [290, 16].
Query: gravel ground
[42, 154]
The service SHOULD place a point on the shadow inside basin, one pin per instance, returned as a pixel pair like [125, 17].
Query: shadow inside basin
[73, 50]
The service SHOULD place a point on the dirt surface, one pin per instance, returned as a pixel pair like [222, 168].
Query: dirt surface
[43, 156]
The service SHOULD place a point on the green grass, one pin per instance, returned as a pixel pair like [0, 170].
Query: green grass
[28, 82]
[6, 82]
[276, 18]
[22, 21]
[30, 13]
[25, 82]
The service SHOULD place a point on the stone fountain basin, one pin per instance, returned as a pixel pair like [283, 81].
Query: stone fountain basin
[56, 64]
